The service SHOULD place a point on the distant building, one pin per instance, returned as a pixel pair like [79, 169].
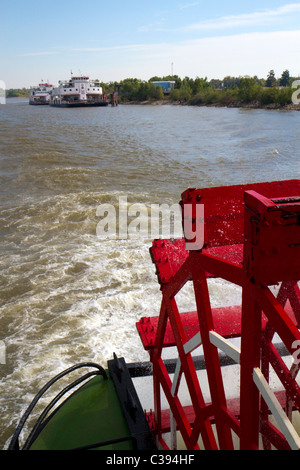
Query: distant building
[167, 86]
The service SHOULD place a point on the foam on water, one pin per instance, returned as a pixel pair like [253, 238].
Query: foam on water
[69, 296]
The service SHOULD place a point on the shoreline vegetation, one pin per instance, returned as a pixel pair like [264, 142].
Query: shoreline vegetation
[231, 92]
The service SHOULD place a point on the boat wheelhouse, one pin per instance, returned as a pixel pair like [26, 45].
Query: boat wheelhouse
[40, 94]
[78, 91]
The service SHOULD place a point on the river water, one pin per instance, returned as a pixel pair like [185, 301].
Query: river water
[68, 296]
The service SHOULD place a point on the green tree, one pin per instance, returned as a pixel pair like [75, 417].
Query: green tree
[260, 81]
[185, 93]
[129, 89]
[269, 96]
[285, 78]
[199, 84]
[157, 92]
[142, 93]
[209, 96]
[285, 96]
[216, 83]
[175, 94]
[274, 95]
[271, 80]
[155, 79]
[248, 90]
[231, 82]
[17, 92]
[228, 97]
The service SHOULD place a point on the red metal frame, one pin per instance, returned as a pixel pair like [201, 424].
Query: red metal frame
[252, 239]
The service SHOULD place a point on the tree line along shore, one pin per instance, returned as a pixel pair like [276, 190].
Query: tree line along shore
[270, 92]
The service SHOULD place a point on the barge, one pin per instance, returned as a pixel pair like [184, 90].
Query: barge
[231, 381]
[78, 92]
[41, 94]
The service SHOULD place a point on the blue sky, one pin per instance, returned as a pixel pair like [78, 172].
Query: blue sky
[46, 40]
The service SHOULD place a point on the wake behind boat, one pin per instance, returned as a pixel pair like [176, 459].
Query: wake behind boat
[242, 391]
[78, 92]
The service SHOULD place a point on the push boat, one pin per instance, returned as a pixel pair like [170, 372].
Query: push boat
[40, 95]
[230, 380]
[78, 92]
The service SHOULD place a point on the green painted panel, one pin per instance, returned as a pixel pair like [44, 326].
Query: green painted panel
[91, 415]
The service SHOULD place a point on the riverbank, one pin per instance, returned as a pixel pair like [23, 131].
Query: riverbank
[254, 105]
[232, 104]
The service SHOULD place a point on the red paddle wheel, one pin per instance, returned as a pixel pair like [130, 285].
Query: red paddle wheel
[251, 240]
